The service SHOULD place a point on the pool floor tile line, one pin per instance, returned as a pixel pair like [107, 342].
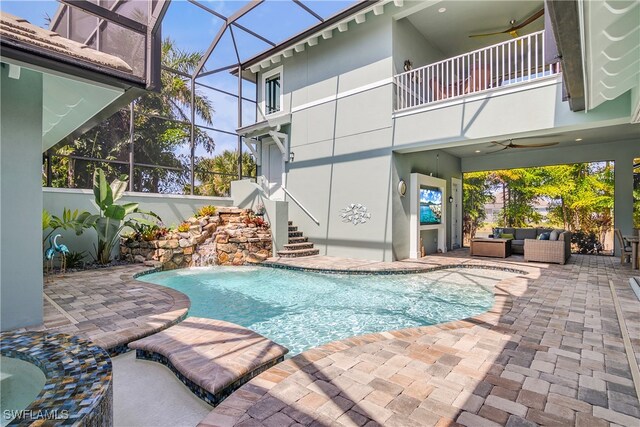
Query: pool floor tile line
[550, 352]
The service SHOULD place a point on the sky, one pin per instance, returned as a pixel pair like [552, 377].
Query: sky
[192, 29]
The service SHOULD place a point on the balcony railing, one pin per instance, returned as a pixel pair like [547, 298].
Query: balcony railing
[512, 62]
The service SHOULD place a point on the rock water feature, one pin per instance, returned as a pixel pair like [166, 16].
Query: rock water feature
[230, 237]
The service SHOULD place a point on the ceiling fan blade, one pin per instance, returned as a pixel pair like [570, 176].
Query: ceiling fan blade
[490, 34]
[548, 144]
[514, 28]
[529, 20]
[502, 149]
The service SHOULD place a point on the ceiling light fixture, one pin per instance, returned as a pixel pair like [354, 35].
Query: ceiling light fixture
[578, 139]
[442, 9]
[477, 151]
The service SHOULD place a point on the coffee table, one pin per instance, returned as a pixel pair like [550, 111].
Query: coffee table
[497, 248]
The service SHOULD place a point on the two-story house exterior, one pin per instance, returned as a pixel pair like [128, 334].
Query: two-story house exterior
[358, 113]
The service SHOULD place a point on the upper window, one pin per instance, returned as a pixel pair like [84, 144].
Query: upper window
[272, 91]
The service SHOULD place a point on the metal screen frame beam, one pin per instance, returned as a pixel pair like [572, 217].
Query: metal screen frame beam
[109, 15]
[308, 10]
[231, 19]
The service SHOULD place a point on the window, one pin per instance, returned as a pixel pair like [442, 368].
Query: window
[272, 90]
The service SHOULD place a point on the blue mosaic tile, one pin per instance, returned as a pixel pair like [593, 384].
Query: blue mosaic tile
[78, 389]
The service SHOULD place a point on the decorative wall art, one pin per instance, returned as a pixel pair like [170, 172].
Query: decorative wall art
[355, 213]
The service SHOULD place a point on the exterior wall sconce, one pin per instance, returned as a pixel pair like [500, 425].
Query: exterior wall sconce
[402, 188]
[450, 199]
[292, 155]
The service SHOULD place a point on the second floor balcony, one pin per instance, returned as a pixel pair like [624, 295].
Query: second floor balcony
[514, 62]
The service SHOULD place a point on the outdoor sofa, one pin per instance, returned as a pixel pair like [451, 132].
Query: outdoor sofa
[525, 241]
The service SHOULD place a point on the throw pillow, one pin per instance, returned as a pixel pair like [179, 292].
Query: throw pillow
[506, 236]
[554, 235]
[544, 236]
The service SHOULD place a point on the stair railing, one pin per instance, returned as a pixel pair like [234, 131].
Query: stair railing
[297, 202]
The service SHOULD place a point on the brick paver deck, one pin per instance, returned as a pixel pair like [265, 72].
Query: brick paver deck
[110, 307]
[550, 352]
[212, 357]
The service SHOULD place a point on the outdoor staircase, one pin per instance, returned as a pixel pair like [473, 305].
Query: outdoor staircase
[298, 245]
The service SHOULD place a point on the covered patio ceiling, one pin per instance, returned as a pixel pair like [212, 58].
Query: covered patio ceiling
[574, 138]
[448, 24]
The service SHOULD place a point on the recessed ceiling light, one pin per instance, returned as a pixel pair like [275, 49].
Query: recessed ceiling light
[578, 139]
[477, 151]
[442, 9]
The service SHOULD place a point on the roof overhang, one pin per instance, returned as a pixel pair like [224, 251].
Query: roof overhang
[324, 30]
[610, 34]
[565, 23]
[264, 127]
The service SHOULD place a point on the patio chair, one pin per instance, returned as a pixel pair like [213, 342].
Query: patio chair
[625, 247]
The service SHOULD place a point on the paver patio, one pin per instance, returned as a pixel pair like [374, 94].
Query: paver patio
[550, 352]
[109, 306]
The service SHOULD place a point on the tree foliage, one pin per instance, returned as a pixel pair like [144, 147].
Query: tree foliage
[161, 135]
[215, 174]
[580, 197]
[476, 193]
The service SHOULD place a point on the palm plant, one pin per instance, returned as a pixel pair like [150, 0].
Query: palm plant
[113, 218]
[156, 140]
[216, 174]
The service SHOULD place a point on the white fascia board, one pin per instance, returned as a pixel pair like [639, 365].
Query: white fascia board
[327, 33]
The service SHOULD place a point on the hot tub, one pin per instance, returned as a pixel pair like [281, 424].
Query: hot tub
[55, 379]
[20, 384]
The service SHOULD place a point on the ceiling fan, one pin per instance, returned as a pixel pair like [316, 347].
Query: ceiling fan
[509, 144]
[513, 30]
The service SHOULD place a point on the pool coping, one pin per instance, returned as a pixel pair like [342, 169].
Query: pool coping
[119, 340]
[388, 271]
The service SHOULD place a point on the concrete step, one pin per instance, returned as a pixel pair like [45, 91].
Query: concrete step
[290, 222]
[298, 239]
[295, 234]
[298, 253]
[301, 245]
[293, 228]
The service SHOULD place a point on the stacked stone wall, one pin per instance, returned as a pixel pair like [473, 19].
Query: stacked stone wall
[229, 237]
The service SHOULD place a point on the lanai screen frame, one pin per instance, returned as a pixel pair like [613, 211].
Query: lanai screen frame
[230, 23]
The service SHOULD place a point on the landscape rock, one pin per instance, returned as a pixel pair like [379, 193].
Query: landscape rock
[227, 238]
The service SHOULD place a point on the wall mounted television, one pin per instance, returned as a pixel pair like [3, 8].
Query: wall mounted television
[430, 206]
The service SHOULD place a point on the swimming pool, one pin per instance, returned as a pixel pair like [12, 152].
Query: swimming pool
[301, 309]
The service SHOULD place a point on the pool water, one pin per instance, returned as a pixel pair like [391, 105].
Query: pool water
[301, 310]
[21, 382]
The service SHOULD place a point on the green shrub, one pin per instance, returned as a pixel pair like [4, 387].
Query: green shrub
[206, 211]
